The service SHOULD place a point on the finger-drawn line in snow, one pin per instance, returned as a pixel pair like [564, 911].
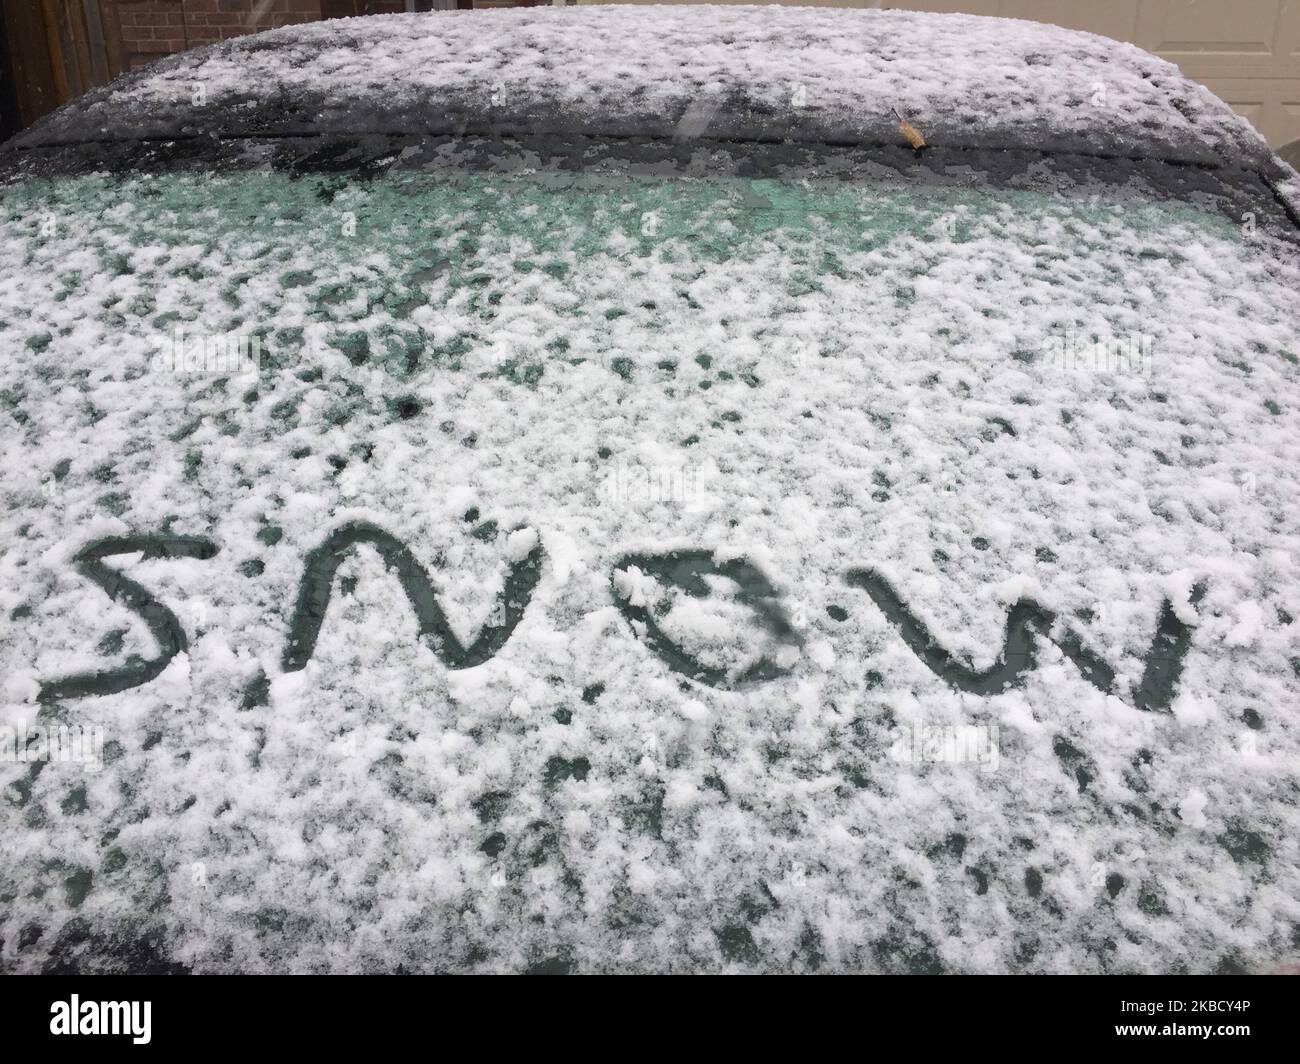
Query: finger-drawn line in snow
[163, 625]
[686, 570]
[318, 584]
[1025, 620]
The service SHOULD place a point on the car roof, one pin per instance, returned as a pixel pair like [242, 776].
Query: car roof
[733, 73]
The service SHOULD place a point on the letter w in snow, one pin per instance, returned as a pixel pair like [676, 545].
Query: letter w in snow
[1025, 621]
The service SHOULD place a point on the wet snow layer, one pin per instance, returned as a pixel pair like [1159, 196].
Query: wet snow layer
[734, 758]
[705, 72]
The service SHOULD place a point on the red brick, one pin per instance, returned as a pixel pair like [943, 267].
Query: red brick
[160, 47]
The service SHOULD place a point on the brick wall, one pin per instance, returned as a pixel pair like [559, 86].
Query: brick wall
[152, 29]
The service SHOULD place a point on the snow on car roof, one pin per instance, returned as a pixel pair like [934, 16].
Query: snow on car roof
[723, 72]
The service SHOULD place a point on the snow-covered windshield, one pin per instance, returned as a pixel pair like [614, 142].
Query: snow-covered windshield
[604, 572]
